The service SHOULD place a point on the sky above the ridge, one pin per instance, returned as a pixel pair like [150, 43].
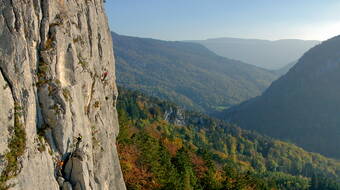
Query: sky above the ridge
[203, 19]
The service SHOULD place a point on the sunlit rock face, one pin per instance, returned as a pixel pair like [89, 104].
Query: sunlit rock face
[57, 95]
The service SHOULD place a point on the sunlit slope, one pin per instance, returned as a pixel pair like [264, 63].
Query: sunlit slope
[186, 73]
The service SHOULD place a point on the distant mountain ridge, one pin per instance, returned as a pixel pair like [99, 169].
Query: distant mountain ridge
[303, 106]
[263, 53]
[284, 70]
[186, 73]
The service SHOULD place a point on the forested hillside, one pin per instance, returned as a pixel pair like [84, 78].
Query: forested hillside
[161, 146]
[303, 106]
[186, 73]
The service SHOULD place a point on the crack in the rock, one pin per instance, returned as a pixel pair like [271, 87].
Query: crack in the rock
[42, 25]
[89, 29]
[100, 49]
[91, 96]
[16, 17]
[42, 122]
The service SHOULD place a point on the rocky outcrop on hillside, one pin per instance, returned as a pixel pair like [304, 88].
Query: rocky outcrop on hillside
[58, 119]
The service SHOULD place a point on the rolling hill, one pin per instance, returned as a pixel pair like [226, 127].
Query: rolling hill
[186, 73]
[284, 70]
[263, 53]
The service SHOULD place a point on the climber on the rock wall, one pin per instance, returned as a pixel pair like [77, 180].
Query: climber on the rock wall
[79, 140]
[60, 165]
[104, 75]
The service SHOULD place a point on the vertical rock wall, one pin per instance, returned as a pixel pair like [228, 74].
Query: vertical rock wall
[58, 121]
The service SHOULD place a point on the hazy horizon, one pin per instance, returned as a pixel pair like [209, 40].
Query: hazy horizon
[216, 38]
[178, 20]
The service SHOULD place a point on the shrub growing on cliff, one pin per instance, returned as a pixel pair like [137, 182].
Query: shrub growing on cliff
[16, 146]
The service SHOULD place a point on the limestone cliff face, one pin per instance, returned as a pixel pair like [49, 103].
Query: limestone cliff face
[58, 120]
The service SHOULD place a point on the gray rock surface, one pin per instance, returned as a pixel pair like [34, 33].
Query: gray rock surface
[67, 186]
[60, 181]
[57, 83]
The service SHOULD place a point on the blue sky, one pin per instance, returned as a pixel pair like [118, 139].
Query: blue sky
[202, 19]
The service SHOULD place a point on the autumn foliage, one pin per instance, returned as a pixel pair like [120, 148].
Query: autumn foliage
[159, 152]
